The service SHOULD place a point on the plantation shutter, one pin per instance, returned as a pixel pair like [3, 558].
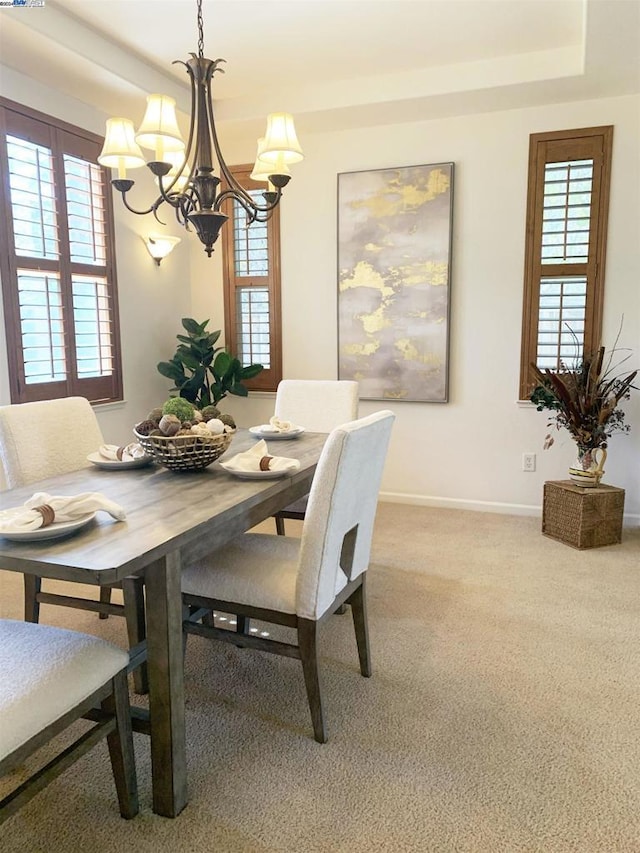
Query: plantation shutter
[565, 247]
[252, 287]
[58, 273]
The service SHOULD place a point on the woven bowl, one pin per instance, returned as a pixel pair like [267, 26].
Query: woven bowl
[185, 452]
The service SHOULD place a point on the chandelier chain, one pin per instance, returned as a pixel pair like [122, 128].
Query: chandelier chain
[200, 31]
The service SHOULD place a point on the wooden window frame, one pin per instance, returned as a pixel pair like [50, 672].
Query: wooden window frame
[558, 146]
[268, 379]
[61, 138]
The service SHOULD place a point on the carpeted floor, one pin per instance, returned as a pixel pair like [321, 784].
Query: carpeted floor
[503, 714]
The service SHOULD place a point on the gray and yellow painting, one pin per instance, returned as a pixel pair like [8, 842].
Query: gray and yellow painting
[394, 244]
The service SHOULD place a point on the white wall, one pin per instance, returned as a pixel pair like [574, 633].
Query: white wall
[467, 452]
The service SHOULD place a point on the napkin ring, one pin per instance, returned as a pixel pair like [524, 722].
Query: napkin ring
[48, 514]
[265, 461]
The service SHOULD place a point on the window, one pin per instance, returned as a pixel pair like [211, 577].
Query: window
[251, 261]
[57, 264]
[567, 208]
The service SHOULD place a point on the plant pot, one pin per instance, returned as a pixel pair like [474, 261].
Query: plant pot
[588, 468]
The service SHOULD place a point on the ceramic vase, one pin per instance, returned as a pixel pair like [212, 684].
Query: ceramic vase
[588, 468]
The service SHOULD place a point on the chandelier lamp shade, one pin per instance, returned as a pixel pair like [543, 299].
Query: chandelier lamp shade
[184, 171]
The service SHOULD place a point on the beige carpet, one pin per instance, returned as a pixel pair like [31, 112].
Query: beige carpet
[503, 714]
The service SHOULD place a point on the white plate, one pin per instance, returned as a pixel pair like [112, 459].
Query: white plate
[272, 435]
[101, 462]
[54, 531]
[257, 475]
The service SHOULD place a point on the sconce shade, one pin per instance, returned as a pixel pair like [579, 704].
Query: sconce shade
[281, 138]
[159, 246]
[120, 149]
[159, 129]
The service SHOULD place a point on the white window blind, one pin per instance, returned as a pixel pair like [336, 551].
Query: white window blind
[567, 212]
[251, 259]
[85, 211]
[251, 248]
[33, 202]
[41, 326]
[561, 320]
[91, 321]
[253, 344]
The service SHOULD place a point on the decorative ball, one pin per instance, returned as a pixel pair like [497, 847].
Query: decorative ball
[227, 420]
[179, 407]
[215, 426]
[210, 412]
[155, 414]
[146, 427]
[170, 424]
[200, 429]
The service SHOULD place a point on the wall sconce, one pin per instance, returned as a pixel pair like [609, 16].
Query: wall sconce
[160, 246]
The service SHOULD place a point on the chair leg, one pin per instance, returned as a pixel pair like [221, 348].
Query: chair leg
[279, 526]
[133, 596]
[243, 623]
[120, 743]
[32, 586]
[341, 610]
[105, 598]
[358, 602]
[307, 640]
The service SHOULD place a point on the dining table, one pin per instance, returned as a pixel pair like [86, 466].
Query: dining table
[172, 520]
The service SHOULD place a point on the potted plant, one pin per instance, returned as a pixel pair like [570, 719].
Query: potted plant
[201, 372]
[584, 399]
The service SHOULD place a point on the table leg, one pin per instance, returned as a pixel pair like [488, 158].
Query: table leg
[166, 685]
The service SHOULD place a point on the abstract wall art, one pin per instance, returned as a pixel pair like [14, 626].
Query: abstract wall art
[394, 276]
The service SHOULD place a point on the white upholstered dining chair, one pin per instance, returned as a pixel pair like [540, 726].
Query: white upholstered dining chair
[49, 678]
[318, 405]
[44, 439]
[298, 583]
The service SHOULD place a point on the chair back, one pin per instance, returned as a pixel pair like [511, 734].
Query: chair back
[318, 405]
[43, 439]
[337, 532]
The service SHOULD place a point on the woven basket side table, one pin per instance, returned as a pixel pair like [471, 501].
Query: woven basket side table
[582, 518]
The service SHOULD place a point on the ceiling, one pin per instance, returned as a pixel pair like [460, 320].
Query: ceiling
[333, 63]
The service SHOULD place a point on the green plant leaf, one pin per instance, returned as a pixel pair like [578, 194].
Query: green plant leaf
[193, 327]
[171, 370]
[239, 390]
[251, 370]
[221, 363]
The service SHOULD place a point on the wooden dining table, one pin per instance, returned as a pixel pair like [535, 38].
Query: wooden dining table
[172, 519]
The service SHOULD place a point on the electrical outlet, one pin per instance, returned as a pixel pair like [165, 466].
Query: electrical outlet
[528, 461]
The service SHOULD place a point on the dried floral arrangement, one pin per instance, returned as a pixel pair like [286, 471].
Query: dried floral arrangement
[584, 397]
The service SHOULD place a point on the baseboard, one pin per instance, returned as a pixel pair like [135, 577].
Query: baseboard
[630, 519]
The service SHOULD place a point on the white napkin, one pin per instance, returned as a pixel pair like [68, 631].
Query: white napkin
[258, 458]
[121, 454]
[57, 508]
[277, 425]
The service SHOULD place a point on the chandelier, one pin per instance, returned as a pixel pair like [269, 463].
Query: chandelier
[184, 171]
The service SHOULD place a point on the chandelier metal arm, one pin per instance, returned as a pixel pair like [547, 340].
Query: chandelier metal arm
[151, 209]
[252, 209]
[230, 179]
